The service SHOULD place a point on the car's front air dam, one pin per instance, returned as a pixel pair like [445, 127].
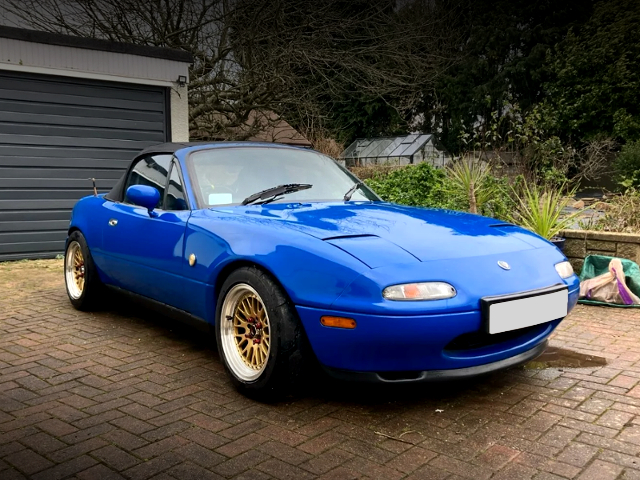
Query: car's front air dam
[437, 375]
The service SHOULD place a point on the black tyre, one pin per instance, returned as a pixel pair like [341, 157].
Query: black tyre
[259, 335]
[80, 274]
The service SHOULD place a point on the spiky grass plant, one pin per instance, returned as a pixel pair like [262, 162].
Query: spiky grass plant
[541, 209]
[470, 177]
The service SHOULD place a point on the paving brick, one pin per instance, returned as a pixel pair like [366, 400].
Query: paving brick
[541, 421]
[166, 431]
[630, 434]
[212, 424]
[252, 475]
[624, 381]
[614, 419]
[12, 474]
[154, 449]
[282, 470]
[132, 425]
[240, 463]
[558, 436]
[77, 450]
[326, 461]
[577, 454]
[321, 443]
[460, 468]
[124, 439]
[200, 455]
[190, 471]
[601, 471]
[56, 427]
[620, 459]
[204, 437]
[115, 458]
[99, 472]
[241, 429]
[411, 459]
[241, 445]
[609, 444]
[43, 443]
[341, 473]
[87, 433]
[65, 469]
[547, 465]
[282, 435]
[152, 467]
[515, 471]
[28, 461]
[427, 472]
[11, 447]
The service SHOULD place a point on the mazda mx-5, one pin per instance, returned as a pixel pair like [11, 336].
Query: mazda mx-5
[290, 259]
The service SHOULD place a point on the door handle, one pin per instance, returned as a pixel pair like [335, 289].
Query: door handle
[113, 222]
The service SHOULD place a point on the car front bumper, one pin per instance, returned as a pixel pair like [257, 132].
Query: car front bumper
[420, 347]
[438, 375]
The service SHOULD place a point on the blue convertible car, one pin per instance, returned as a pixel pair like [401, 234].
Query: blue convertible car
[289, 258]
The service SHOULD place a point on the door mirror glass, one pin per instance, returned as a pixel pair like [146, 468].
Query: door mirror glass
[144, 196]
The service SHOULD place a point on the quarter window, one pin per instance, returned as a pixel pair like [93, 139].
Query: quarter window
[175, 192]
[151, 171]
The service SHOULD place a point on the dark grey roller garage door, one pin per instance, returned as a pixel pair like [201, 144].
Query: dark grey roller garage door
[55, 134]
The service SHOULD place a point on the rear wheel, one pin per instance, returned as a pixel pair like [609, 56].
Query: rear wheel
[259, 335]
[80, 274]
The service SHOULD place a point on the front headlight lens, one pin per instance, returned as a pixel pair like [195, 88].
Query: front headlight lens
[564, 269]
[419, 291]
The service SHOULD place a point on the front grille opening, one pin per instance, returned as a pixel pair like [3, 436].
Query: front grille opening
[475, 340]
[397, 376]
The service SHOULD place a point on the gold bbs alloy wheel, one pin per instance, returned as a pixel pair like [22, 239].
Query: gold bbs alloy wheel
[74, 270]
[245, 332]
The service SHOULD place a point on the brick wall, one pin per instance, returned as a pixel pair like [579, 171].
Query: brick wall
[580, 243]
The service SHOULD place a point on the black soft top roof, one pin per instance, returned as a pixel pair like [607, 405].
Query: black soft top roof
[169, 147]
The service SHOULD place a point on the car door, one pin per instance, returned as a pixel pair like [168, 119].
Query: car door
[145, 254]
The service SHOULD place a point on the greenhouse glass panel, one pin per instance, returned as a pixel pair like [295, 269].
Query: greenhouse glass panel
[400, 149]
[416, 145]
[376, 147]
[391, 147]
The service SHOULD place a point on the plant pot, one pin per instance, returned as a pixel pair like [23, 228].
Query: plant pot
[558, 242]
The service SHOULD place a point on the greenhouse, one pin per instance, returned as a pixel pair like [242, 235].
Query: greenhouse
[405, 150]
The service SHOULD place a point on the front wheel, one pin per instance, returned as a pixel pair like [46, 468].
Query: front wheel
[80, 274]
[259, 335]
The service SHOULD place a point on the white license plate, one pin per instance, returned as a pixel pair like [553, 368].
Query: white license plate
[504, 316]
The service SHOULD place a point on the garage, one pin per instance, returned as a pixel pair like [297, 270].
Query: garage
[72, 110]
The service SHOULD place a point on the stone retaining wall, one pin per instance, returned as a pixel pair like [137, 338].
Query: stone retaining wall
[580, 243]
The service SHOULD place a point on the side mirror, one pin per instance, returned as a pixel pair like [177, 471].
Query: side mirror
[144, 196]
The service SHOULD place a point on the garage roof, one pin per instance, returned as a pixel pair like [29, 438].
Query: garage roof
[94, 44]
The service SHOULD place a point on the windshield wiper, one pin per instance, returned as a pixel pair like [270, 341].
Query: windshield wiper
[352, 190]
[271, 194]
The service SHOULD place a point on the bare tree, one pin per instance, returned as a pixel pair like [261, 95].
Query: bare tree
[292, 57]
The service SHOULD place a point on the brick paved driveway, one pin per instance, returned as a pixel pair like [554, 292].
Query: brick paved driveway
[124, 394]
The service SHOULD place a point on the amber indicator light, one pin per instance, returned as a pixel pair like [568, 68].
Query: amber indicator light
[338, 322]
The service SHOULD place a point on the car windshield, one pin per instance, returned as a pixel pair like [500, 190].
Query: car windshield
[227, 176]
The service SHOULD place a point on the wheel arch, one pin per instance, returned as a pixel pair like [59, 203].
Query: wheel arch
[234, 265]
